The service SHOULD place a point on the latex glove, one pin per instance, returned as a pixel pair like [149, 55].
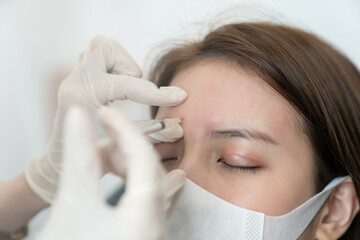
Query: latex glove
[79, 212]
[90, 86]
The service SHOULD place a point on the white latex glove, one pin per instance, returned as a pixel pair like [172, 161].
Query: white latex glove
[90, 86]
[79, 212]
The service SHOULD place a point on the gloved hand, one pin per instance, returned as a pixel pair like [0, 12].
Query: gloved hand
[79, 212]
[91, 86]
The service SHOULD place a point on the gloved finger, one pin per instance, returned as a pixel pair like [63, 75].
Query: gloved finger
[144, 173]
[81, 166]
[171, 134]
[120, 87]
[142, 163]
[109, 53]
[175, 180]
[144, 199]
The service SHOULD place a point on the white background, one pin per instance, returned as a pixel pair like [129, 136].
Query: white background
[40, 40]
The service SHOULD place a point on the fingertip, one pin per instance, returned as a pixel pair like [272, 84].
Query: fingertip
[180, 171]
[179, 174]
[174, 90]
[175, 93]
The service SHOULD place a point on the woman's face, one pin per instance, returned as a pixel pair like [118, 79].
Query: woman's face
[242, 141]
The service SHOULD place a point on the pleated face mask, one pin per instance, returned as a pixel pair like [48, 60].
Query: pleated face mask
[198, 214]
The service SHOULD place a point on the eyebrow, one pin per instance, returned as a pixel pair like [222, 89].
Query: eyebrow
[245, 133]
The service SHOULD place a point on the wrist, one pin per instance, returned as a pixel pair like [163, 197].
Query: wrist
[42, 178]
[18, 204]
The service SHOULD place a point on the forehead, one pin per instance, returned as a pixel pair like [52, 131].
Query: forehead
[221, 95]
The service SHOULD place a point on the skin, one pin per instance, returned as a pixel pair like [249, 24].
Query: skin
[18, 204]
[223, 96]
[239, 99]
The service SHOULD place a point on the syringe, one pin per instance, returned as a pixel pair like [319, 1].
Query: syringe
[106, 143]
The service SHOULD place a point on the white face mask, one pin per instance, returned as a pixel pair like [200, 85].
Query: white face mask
[198, 214]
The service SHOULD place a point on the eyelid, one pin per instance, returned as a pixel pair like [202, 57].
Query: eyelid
[237, 160]
[234, 169]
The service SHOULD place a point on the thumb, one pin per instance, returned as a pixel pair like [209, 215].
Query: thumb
[175, 180]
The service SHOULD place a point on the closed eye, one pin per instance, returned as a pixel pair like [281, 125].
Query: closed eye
[232, 168]
[168, 159]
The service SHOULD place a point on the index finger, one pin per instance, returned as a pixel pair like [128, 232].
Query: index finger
[145, 92]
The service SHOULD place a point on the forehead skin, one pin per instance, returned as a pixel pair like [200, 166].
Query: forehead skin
[222, 96]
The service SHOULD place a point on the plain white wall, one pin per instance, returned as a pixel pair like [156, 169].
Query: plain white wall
[39, 37]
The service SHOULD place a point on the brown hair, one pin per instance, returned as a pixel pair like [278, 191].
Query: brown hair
[321, 84]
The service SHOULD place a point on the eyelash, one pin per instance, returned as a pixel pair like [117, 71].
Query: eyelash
[227, 166]
[168, 159]
[232, 168]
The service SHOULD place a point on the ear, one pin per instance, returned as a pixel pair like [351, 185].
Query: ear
[337, 213]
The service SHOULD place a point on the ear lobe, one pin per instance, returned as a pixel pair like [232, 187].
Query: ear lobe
[338, 211]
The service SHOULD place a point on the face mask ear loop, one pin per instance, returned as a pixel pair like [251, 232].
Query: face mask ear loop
[291, 225]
